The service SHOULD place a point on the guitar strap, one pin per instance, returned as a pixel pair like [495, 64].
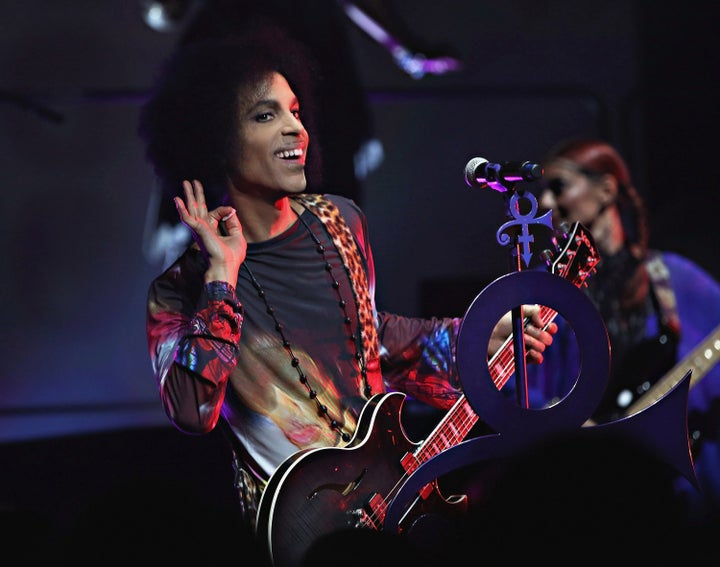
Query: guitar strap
[349, 251]
[662, 287]
[249, 485]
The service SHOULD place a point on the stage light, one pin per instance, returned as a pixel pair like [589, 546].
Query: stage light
[164, 15]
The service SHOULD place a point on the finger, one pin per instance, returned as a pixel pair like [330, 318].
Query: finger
[199, 194]
[186, 218]
[230, 222]
[220, 219]
[189, 193]
[190, 204]
[195, 199]
[222, 214]
[229, 215]
[539, 336]
[537, 339]
[532, 312]
[181, 209]
[533, 345]
[535, 357]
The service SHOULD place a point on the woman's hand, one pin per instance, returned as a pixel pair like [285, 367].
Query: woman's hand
[218, 233]
[536, 339]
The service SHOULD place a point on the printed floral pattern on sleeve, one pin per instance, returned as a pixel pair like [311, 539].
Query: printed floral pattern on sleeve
[193, 340]
[418, 357]
[211, 349]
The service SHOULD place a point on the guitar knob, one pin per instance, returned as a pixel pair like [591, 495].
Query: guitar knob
[547, 256]
[624, 398]
[695, 440]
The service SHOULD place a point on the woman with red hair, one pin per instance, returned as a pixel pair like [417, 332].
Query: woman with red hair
[658, 306]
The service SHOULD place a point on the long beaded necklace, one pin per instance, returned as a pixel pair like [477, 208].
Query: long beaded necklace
[355, 337]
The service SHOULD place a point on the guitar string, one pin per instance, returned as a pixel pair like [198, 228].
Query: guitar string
[469, 418]
[466, 421]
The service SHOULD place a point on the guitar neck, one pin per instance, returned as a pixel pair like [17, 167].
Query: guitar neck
[502, 365]
[460, 419]
[700, 360]
[575, 263]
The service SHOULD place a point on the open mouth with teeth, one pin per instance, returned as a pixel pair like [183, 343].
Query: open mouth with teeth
[289, 154]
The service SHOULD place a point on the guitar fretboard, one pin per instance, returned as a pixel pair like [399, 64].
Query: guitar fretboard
[576, 262]
[460, 419]
[700, 360]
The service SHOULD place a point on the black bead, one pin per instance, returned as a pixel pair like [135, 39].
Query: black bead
[354, 337]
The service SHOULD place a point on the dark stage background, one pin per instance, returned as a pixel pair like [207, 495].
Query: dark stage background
[79, 411]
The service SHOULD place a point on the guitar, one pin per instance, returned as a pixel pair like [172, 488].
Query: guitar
[700, 360]
[316, 492]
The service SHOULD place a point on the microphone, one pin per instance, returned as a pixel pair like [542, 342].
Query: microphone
[479, 172]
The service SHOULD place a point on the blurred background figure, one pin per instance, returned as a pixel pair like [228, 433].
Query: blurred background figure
[658, 306]
[350, 150]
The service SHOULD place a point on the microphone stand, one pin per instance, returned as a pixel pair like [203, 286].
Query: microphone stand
[519, 238]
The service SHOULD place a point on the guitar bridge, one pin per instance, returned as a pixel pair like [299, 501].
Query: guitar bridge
[374, 515]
